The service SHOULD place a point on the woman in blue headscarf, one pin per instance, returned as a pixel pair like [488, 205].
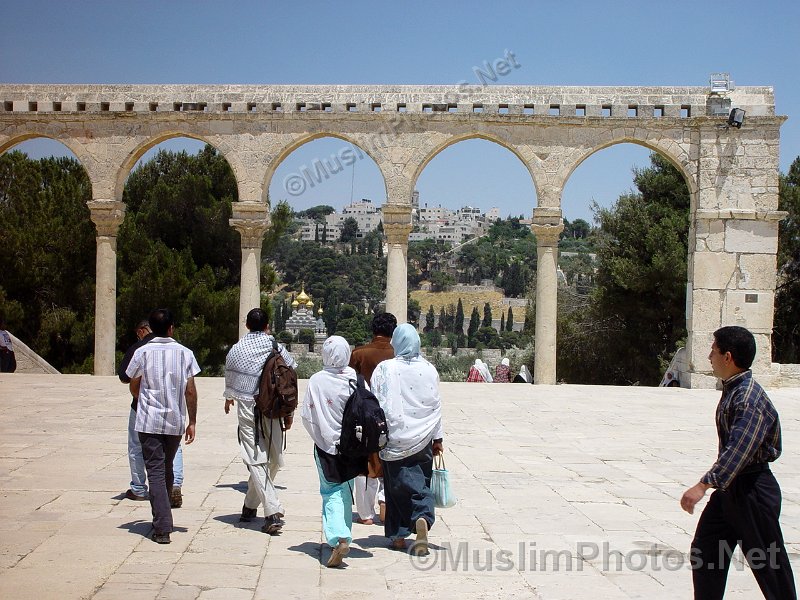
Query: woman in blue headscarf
[326, 396]
[407, 386]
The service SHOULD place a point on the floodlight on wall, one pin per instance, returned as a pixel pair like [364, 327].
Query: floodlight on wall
[736, 118]
[721, 83]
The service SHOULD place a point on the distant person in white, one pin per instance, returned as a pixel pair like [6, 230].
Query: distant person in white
[162, 378]
[8, 362]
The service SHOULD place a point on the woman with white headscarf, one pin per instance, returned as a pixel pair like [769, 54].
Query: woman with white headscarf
[326, 396]
[407, 387]
[524, 375]
[502, 373]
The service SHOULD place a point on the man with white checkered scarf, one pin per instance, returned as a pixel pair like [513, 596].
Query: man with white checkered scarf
[263, 457]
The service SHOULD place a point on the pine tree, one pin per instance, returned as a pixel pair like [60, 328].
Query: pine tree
[474, 324]
[459, 324]
[442, 320]
[430, 319]
[502, 321]
[510, 320]
[487, 315]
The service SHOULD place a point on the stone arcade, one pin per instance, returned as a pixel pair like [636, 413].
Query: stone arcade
[732, 173]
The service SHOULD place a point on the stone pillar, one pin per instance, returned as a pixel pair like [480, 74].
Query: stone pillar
[107, 216]
[732, 276]
[547, 227]
[251, 220]
[396, 227]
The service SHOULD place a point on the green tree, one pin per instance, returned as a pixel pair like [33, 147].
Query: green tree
[351, 325]
[458, 326]
[349, 231]
[487, 315]
[786, 332]
[474, 325]
[48, 258]
[635, 317]
[430, 319]
[510, 320]
[502, 321]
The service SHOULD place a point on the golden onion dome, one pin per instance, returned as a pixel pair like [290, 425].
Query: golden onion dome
[309, 304]
[319, 312]
[302, 297]
[295, 304]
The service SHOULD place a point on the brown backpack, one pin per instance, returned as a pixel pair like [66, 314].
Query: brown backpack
[277, 388]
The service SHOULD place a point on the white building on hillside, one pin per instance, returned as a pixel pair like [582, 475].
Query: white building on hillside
[366, 214]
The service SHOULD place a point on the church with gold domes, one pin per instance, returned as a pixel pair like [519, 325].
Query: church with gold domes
[303, 317]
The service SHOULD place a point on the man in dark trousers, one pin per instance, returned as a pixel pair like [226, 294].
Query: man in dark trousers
[746, 505]
[138, 489]
[364, 359]
[162, 378]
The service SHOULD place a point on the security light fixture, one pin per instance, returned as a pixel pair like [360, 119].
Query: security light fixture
[721, 83]
[736, 118]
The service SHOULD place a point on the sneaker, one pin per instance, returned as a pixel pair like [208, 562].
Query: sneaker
[175, 497]
[272, 524]
[338, 554]
[248, 514]
[160, 538]
[420, 546]
[130, 495]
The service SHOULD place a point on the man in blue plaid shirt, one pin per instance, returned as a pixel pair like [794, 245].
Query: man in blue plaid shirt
[745, 507]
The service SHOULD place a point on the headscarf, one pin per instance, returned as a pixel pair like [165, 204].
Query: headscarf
[335, 354]
[405, 341]
[505, 362]
[525, 374]
[483, 369]
[327, 393]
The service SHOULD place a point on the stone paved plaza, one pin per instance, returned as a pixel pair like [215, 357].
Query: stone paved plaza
[584, 477]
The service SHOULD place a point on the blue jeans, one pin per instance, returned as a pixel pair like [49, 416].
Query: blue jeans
[407, 484]
[136, 461]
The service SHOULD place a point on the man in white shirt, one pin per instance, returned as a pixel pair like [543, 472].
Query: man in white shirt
[162, 378]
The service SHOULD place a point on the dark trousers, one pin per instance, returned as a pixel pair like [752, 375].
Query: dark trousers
[746, 514]
[407, 483]
[159, 451]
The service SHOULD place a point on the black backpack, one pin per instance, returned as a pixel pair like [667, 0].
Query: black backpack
[364, 430]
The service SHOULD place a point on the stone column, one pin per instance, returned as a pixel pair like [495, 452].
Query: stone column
[107, 216]
[251, 220]
[397, 226]
[546, 228]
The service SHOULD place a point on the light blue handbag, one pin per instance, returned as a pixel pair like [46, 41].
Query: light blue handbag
[443, 495]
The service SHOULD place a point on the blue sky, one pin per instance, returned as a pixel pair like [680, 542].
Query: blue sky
[555, 43]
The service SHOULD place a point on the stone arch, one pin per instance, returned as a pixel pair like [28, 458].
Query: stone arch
[69, 142]
[426, 155]
[286, 150]
[142, 147]
[673, 152]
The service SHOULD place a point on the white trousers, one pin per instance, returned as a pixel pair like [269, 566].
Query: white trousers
[262, 464]
[367, 490]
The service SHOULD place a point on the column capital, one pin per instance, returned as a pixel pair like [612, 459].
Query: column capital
[395, 213]
[251, 220]
[396, 222]
[107, 216]
[547, 234]
[396, 233]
